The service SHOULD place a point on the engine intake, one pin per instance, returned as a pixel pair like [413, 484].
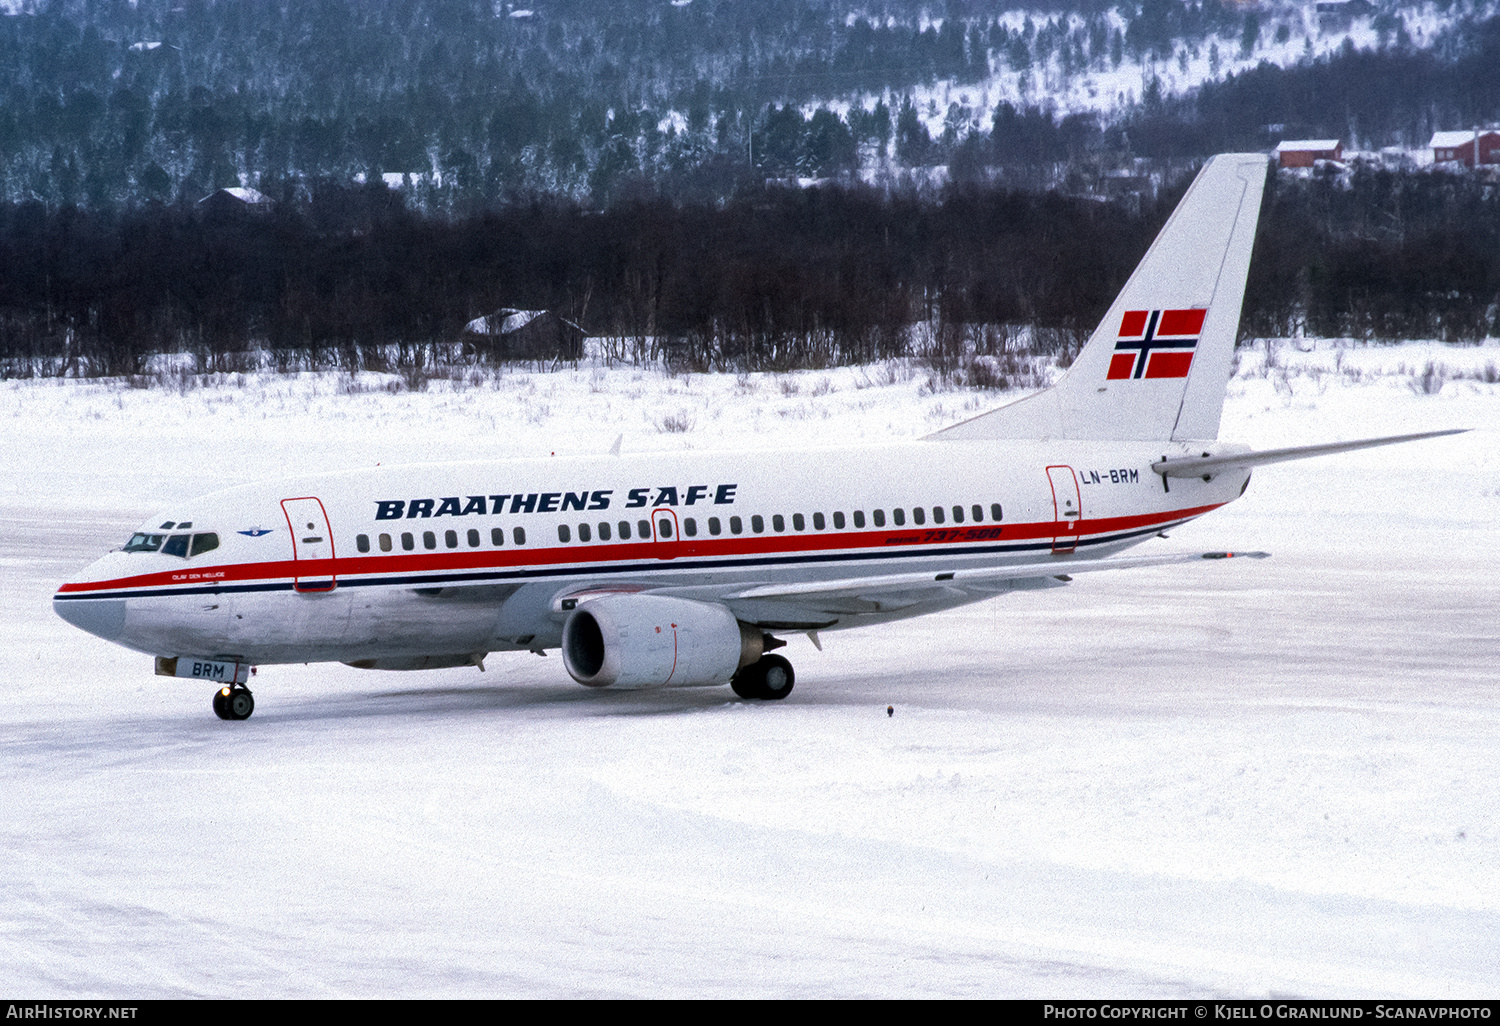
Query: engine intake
[653, 641]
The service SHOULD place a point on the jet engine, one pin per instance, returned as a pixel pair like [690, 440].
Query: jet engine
[652, 641]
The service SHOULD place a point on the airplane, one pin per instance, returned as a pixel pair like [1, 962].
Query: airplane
[688, 569]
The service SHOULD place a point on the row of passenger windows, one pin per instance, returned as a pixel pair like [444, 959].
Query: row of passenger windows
[940, 515]
[430, 539]
[625, 530]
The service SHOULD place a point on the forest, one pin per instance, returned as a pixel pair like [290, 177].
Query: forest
[730, 184]
[777, 278]
[470, 104]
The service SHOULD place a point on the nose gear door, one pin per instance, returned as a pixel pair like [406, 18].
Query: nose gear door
[312, 544]
[1067, 508]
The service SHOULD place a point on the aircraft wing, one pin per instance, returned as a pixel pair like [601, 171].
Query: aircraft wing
[1056, 569]
[1201, 466]
[818, 604]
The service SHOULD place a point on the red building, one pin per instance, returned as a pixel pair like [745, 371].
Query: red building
[1303, 152]
[1460, 146]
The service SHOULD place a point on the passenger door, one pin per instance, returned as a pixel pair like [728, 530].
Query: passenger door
[312, 544]
[664, 530]
[1067, 508]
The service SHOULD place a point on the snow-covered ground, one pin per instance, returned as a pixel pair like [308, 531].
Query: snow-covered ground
[1239, 778]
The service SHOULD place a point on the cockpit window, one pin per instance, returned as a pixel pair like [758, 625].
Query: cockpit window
[184, 545]
[168, 525]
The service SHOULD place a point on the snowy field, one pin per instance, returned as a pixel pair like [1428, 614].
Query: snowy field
[1242, 779]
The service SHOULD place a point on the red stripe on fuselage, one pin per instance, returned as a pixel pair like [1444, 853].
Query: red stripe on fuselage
[582, 555]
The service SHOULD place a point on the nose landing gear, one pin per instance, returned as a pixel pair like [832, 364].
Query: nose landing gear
[770, 677]
[234, 703]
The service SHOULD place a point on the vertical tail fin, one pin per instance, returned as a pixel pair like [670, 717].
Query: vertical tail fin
[1156, 367]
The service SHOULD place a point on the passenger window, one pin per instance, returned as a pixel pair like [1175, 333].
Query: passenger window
[497, 536]
[385, 543]
[758, 524]
[563, 534]
[585, 533]
[798, 522]
[714, 527]
[995, 511]
[978, 512]
[177, 545]
[838, 521]
[450, 539]
[937, 514]
[736, 525]
[818, 523]
[643, 528]
[624, 530]
[879, 515]
[604, 531]
[918, 516]
[361, 542]
[778, 522]
[664, 527]
[958, 514]
[859, 518]
[209, 542]
[519, 534]
[473, 538]
[690, 527]
[429, 540]
[407, 542]
[898, 516]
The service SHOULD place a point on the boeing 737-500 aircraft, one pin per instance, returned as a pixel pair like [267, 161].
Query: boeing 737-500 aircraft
[683, 569]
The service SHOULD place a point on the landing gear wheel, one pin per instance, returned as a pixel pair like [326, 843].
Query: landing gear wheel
[770, 677]
[746, 682]
[776, 677]
[234, 703]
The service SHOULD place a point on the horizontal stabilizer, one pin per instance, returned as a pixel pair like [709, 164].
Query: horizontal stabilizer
[1207, 466]
[1056, 567]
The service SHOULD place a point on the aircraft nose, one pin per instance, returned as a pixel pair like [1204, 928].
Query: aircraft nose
[102, 617]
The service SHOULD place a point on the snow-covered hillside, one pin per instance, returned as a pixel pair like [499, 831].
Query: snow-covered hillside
[1242, 778]
[1065, 84]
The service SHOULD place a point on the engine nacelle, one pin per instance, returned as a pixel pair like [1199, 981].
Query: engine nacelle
[653, 641]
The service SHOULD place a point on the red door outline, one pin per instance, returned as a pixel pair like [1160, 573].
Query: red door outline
[1067, 508]
[666, 548]
[314, 569]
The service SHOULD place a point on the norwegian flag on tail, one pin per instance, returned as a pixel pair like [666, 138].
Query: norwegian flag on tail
[1156, 344]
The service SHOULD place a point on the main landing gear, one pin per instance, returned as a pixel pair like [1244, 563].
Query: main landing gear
[234, 703]
[770, 676]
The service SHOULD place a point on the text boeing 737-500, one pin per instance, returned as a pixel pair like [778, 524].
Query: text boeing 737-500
[681, 570]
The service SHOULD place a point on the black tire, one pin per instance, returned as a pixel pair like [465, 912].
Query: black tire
[770, 677]
[240, 703]
[221, 710]
[776, 677]
[749, 682]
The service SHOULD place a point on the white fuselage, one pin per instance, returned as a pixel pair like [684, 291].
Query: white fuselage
[400, 567]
